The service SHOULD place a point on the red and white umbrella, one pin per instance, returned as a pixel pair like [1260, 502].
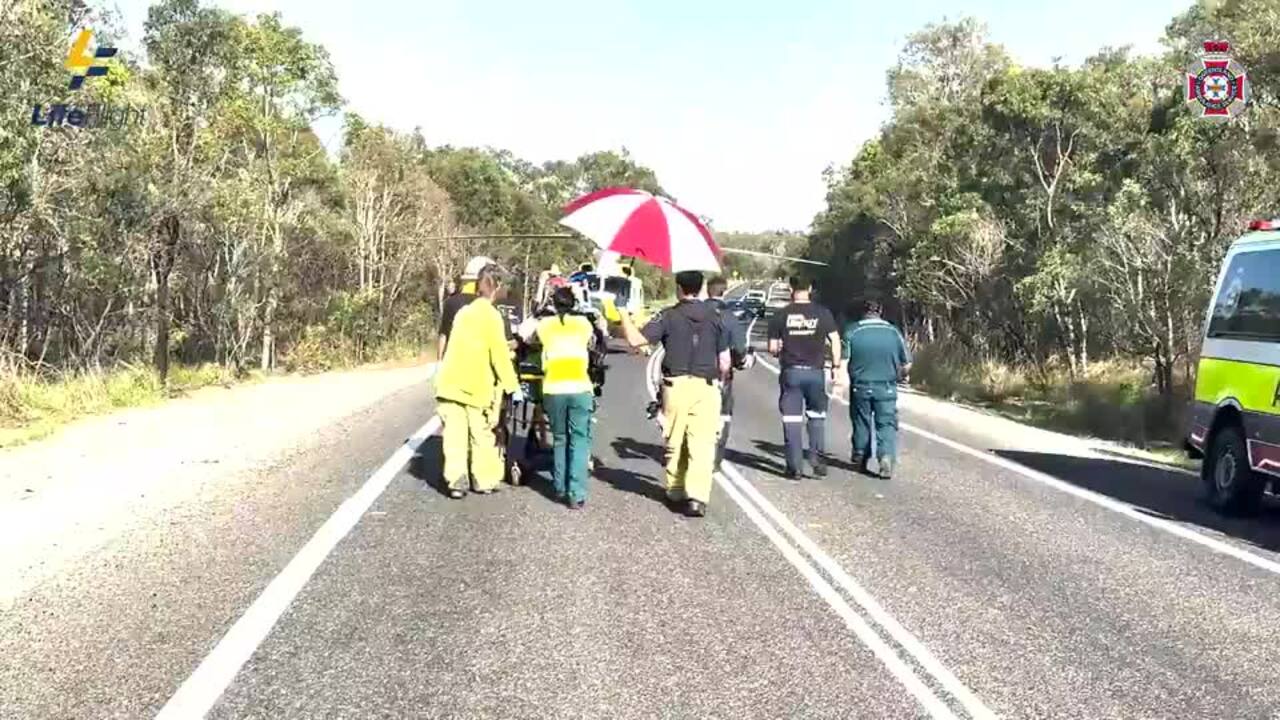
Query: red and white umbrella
[637, 224]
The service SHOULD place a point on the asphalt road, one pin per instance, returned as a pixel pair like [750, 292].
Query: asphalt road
[967, 586]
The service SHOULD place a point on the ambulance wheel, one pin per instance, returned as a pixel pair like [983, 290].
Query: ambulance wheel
[1231, 486]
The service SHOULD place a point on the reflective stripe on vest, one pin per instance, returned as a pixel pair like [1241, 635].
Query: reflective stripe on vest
[565, 360]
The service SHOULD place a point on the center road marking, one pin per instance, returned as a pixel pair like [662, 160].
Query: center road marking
[869, 637]
[197, 696]
[739, 489]
[1096, 498]
[869, 604]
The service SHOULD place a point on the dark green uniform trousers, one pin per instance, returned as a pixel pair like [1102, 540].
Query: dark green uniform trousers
[570, 419]
[874, 407]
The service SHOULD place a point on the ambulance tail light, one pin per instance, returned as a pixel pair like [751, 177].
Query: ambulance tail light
[1265, 225]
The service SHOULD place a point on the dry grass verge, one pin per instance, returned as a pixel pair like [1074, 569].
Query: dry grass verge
[1114, 400]
[34, 405]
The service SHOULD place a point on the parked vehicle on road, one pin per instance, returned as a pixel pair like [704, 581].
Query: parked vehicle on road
[754, 302]
[779, 297]
[1235, 417]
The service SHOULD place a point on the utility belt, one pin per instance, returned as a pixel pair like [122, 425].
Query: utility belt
[669, 380]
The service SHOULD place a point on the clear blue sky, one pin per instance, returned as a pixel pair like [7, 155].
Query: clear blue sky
[737, 106]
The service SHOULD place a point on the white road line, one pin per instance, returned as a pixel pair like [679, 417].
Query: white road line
[869, 637]
[1096, 498]
[1112, 504]
[869, 604]
[201, 691]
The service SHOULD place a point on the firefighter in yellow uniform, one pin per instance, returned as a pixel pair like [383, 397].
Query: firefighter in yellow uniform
[476, 369]
[696, 360]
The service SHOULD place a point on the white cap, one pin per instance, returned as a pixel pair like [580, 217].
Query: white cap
[475, 265]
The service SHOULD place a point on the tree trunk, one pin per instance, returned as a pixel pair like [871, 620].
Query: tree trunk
[24, 325]
[162, 328]
[1164, 376]
[161, 266]
[272, 299]
[1084, 339]
[524, 293]
[1068, 328]
[268, 335]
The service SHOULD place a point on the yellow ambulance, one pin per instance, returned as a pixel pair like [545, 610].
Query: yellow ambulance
[1235, 418]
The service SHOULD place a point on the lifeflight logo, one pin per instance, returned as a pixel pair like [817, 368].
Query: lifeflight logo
[82, 64]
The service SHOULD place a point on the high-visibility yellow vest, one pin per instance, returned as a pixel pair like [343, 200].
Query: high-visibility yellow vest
[565, 354]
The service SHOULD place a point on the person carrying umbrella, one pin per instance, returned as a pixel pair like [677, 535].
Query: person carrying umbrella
[568, 397]
[696, 361]
[633, 223]
[475, 370]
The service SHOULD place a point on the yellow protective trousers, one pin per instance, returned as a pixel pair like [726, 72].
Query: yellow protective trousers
[691, 415]
[470, 444]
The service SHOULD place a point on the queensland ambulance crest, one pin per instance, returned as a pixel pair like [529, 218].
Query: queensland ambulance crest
[1217, 86]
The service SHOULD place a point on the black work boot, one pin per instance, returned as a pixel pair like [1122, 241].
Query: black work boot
[696, 508]
[859, 462]
[886, 468]
[819, 464]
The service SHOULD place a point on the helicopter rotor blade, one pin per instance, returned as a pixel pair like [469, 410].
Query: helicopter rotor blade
[562, 236]
[755, 253]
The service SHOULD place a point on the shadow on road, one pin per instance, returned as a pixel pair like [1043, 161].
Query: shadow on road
[1156, 492]
[427, 464]
[779, 451]
[630, 481]
[754, 462]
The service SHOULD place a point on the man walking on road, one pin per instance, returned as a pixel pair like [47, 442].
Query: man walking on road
[878, 360]
[738, 355]
[474, 374]
[696, 358]
[800, 335]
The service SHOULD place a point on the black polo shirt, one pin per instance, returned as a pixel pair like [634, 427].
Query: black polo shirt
[693, 336]
[803, 329]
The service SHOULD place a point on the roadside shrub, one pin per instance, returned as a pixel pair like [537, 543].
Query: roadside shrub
[1114, 400]
[320, 350]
